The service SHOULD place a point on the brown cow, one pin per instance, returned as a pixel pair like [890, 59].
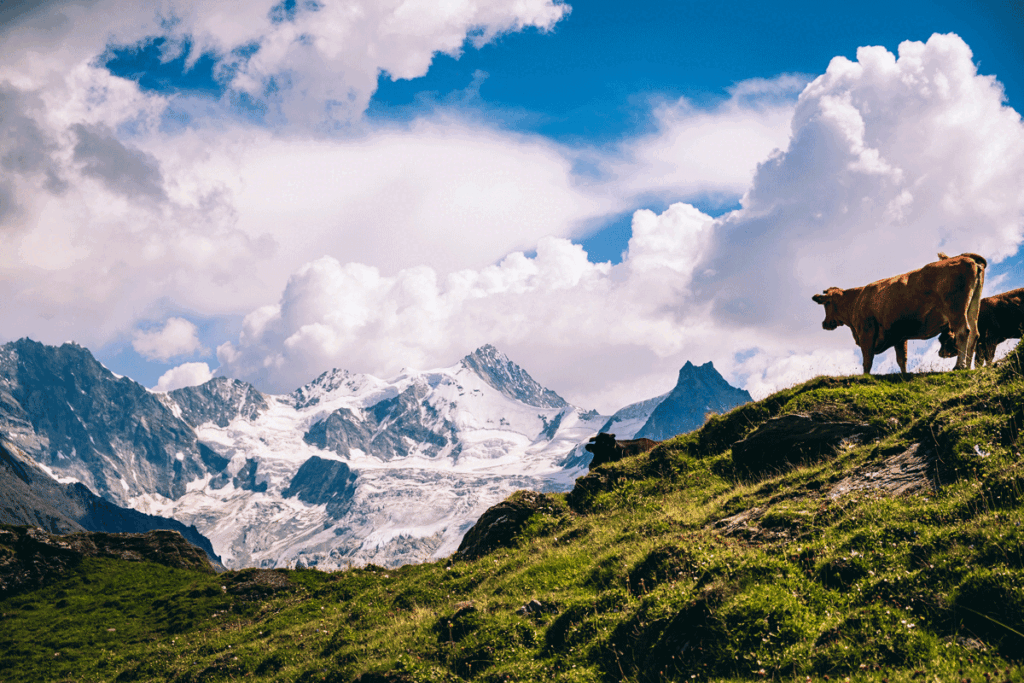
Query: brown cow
[606, 449]
[1000, 317]
[915, 305]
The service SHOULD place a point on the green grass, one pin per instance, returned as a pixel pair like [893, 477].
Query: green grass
[638, 579]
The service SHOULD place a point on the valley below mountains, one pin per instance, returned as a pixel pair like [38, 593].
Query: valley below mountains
[345, 471]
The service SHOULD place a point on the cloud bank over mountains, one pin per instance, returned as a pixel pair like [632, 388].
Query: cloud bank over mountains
[889, 161]
[374, 246]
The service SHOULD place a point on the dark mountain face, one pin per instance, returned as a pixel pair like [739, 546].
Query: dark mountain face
[699, 391]
[244, 480]
[219, 401]
[29, 496]
[321, 481]
[510, 379]
[64, 409]
[390, 428]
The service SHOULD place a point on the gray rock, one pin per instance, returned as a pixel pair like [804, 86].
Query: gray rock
[29, 496]
[501, 373]
[33, 556]
[219, 401]
[911, 471]
[499, 526]
[392, 428]
[794, 439]
[320, 482]
[68, 412]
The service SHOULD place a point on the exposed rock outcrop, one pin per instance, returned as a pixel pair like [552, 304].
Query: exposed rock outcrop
[320, 482]
[911, 471]
[501, 373]
[68, 412]
[29, 496]
[29, 556]
[499, 525]
[795, 439]
[392, 428]
[219, 401]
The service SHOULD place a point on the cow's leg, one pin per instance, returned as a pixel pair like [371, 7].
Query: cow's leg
[986, 353]
[866, 341]
[966, 337]
[901, 356]
[869, 357]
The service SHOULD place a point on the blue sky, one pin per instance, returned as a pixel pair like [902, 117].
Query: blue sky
[251, 192]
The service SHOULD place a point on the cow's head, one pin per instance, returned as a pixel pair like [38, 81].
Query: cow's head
[947, 344]
[604, 448]
[829, 299]
[600, 442]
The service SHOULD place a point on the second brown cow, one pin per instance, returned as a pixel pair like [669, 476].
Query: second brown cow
[606, 448]
[1000, 317]
[915, 305]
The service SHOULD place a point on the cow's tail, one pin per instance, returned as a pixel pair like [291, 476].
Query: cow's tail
[975, 306]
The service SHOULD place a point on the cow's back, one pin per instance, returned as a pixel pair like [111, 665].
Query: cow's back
[638, 446]
[1002, 316]
[918, 304]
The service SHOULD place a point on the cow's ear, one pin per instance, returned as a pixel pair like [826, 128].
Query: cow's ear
[819, 298]
[612, 435]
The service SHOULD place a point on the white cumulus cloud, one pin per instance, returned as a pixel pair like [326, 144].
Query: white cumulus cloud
[184, 375]
[549, 311]
[178, 337]
[712, 152]
[889, 161]
[107, 215]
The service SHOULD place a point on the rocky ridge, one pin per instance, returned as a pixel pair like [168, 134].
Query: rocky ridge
[32, 557]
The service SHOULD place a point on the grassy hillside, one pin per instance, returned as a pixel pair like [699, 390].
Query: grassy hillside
[676, 565]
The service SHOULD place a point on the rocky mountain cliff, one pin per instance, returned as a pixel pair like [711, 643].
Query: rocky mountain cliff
[69, 413]
[700, 390]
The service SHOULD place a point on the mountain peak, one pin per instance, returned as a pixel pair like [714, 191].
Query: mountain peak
[495, 368]
[487, 355]
[701, 389]
[219, 400]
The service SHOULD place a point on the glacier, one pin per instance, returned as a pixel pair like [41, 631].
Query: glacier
[424, 455]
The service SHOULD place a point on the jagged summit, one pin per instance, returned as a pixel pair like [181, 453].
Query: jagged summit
[495, 368]
[219, 401]
[700, 390]
[333, 383]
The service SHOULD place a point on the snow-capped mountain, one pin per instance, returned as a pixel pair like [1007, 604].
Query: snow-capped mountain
[346, 470]
[351, 469]
[82, 423]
